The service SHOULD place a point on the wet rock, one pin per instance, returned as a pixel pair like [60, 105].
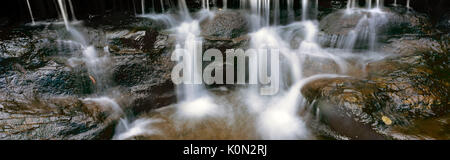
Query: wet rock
[342, 27]
[126, 42]
[444, 23]
[409, 45]
[148, 81]
[62, 118]
[225, 25]
[398, 93]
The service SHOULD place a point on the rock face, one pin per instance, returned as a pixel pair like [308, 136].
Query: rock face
[399, 95]
[340, 27]
[45, 84]
[444, 23]
[226, 30]
[225, 25]
[57, 118]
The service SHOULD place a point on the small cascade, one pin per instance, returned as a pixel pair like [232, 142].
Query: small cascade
[395, 3]
[62, 8]
[369, 4]
[243, 4]
[72, 10]
[143, 7]
[274, 117]
[162, 6]
[276, 12]
[379, 4]
[351, 5]
[184, 11]
[31, 12]
[290, 8]
[304, 9]
[205, 5]
[261, 8]
[225, 4]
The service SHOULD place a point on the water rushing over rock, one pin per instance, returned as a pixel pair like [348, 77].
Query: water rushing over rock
[31, 12]
[348, 74]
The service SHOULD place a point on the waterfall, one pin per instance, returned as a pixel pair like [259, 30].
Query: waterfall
[275, 117]
[205, 4]
[183, 9]
[225, 4]
[31, 12]
[162, 6]
[407, 4]
[261, 8]
[304, 9]
[316, 14]
[276, 12]
[351, 4]
[72, 11]
[290, 8]
[62, 7]
[243, 4]
[395, 3]
[143, 7]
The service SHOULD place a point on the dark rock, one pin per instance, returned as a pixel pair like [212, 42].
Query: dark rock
[225, 25]
[62, 118]
[147, 81]
[444, 23]
[337, 27]
[399, 92]
[126, 42]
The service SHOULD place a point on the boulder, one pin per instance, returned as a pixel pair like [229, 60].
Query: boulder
[225, 25]
[63, 118]
[357, 29]
[399, 97]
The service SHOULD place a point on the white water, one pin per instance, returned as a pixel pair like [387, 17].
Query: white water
[183, 9]
[225, 4]
[95, 65]
[243, 113]
[143, 7]
[62, 8]
[205, 4]
[31, 12]
[290, 8]
[162, 6]
[304, 9]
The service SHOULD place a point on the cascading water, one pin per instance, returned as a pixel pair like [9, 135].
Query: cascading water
[290, 8]
[225, 4]
[95, 65]
[143, 7]
[201, 114]
[162, 6]
[304, 9]
[183, 9]
[369, 4]
[31, 12]
[62, 8]
[205, 4]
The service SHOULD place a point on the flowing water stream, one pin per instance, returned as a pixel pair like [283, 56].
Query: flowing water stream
[241, 113]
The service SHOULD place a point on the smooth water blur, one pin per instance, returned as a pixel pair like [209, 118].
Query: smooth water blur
[242, 113]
